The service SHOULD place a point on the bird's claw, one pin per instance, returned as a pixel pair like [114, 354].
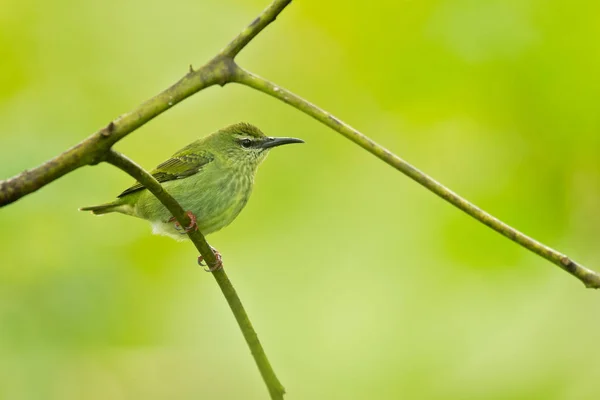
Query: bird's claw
[218, 264]
[193, 226]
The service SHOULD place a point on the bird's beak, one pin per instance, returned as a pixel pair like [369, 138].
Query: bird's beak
[269, 142]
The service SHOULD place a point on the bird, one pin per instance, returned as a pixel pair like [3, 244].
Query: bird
[212, 178]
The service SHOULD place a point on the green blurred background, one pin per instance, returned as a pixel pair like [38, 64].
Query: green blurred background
[361, 284]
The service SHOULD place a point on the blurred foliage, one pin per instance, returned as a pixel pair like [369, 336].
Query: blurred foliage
[360, 283]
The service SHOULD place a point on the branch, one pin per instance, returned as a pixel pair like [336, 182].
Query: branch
[92, 150]
[590, 279]
[120, 161]
[98, 147]
[265, 18]
[222, 70]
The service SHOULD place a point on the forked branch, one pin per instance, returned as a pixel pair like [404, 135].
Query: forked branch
[222, 70]
[92, 150]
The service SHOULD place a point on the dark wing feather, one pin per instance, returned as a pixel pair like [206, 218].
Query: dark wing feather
[181, 165]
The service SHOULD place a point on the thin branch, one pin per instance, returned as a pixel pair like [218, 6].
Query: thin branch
[222, 70]
[92, 150]
[98, 147]
[590, 279]
[265, 18]
[120, 161]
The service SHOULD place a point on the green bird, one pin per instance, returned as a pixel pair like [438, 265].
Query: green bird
[212, 178]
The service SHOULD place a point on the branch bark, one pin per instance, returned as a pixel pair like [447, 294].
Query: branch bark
[590, 279]
[128, 166]
[221, 70]
[98, 147]
[92, 150]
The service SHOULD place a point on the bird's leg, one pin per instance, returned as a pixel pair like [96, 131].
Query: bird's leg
[193, 223]
[218, 265]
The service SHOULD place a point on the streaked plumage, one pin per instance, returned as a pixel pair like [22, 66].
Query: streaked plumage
[211, 177]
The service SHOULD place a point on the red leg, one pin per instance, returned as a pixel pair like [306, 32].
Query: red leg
[218, 265]
[193, 223]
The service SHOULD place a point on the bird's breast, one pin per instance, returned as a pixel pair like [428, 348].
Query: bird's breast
[220, 200]
[215, 195]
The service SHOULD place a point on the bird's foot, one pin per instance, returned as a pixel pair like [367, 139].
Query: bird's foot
[192, 227]
[218, 265]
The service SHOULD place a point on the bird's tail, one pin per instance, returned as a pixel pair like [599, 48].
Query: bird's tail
[102, 208]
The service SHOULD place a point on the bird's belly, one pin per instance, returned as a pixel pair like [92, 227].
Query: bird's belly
[215, 204]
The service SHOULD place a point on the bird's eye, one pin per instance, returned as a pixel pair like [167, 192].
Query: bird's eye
[246, 143]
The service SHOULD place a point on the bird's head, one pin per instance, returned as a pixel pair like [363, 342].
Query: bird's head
[244, 144]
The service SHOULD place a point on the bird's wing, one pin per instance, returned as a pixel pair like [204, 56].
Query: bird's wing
[181, 165]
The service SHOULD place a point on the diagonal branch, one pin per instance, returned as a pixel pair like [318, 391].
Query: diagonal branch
[265, 18]
[120, 161]
[92, 150]
[222, 70]
[98, 147]
[590, 279]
